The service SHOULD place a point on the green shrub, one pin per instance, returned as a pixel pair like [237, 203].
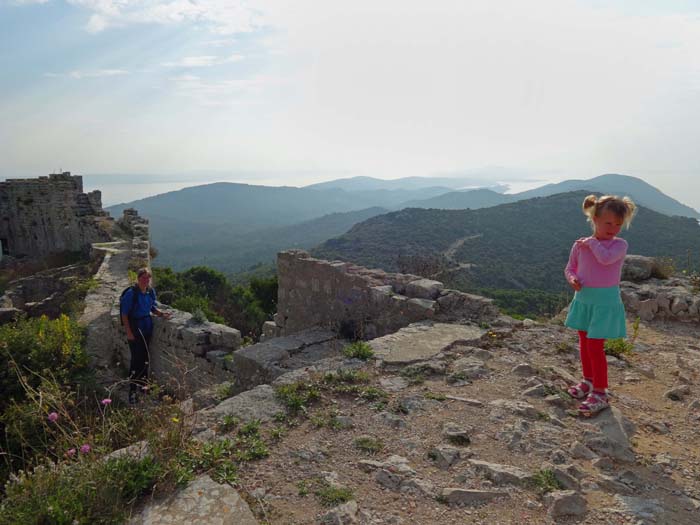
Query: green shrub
[81, 492]
[618, 348]
[199, 307]
[545, 481]
[358, 350]
[369, 444]
[330, 495]
[297, 396]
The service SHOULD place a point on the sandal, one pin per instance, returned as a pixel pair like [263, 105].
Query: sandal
[581, 390]
[594, 403]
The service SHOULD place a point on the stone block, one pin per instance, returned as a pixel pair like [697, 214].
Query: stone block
[424, 289]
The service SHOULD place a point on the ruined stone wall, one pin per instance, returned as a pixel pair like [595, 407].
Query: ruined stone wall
[360, 302]
[50, 214]
[649, 294]
[184, 354]
[674, 299]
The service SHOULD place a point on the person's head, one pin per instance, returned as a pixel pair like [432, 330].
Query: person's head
[608, 214]
[143, 278]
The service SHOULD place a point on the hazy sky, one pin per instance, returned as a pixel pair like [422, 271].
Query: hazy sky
[324, 89]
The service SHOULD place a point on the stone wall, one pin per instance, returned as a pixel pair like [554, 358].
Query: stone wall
[648, 294]
[674, 299]
[360, 302]
[50, 214]
[184, 354]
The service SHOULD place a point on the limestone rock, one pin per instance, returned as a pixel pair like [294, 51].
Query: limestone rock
[421, 341]
[467, 368]
[501, 474]
[444, 456]
[614, 437]
[580, 451]
[393, 384]
[424, 289]
[524, 370]
[565, 503]
[202, 502]
[637, 268]
[457, 496]
[258, 403]
[520, 408]
[345, 514]
[677, 393]
[641, 508]
[456, 434]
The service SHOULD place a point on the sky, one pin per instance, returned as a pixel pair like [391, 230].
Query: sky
[275, 92]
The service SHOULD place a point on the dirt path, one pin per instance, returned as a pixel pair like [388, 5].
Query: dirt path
[112, 278]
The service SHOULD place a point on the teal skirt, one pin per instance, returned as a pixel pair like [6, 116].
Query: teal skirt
[598, 311]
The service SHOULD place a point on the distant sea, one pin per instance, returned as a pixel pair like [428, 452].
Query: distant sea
[119, 192]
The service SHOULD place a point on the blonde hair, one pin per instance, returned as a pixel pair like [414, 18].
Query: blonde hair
[143, 271]
[623, 207]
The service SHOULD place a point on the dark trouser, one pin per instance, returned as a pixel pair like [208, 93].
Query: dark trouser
[138, 368]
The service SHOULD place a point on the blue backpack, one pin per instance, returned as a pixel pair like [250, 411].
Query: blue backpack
[134, 299]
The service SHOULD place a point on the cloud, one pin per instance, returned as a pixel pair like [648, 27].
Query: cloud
[28, 2]
[203, 61]
[226, 92]
[98, 73]
[223, 17]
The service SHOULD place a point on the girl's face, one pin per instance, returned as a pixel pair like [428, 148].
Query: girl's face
[607, 225]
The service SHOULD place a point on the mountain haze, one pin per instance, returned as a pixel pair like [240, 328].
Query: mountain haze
[233, 252]
[641, 192]
[462, 200]
[232, 226]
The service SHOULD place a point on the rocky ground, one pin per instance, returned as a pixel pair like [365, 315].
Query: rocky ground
[475, 428]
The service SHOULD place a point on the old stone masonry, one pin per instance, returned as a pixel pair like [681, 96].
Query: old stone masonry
[49, 214]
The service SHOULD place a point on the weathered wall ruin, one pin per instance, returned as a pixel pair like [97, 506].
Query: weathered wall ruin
[50, 214]
[361, 302]
[184, 354]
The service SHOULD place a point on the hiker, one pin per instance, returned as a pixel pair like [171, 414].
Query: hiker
[597, 312]
[136, 304]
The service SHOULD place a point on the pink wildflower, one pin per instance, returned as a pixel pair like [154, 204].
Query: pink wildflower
[70, 452]
[85, 448]
[53, 417]
[106, 401]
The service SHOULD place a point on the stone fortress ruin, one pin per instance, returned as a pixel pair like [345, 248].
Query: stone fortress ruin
[49, 214]
[413, 324]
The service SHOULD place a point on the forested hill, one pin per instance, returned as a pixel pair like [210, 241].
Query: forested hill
[521, 245]
[640, 191]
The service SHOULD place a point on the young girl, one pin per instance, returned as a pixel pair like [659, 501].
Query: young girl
[597, 312]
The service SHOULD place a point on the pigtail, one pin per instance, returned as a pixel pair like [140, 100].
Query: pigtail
[589, 206]
[631, 208]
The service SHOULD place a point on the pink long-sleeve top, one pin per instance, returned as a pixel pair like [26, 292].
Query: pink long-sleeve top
[596, 264]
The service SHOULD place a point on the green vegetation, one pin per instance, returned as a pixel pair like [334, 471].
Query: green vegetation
[83, 492]
[330, 495]
[618, 348]
[369, 444]
[358, 350]
[208, 295]
[436, 396]
[545, 481]
[57, 427]
[298, 396]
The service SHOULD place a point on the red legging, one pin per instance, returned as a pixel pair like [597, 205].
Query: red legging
[593, 362]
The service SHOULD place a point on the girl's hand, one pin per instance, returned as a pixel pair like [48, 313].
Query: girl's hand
[575, 284]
